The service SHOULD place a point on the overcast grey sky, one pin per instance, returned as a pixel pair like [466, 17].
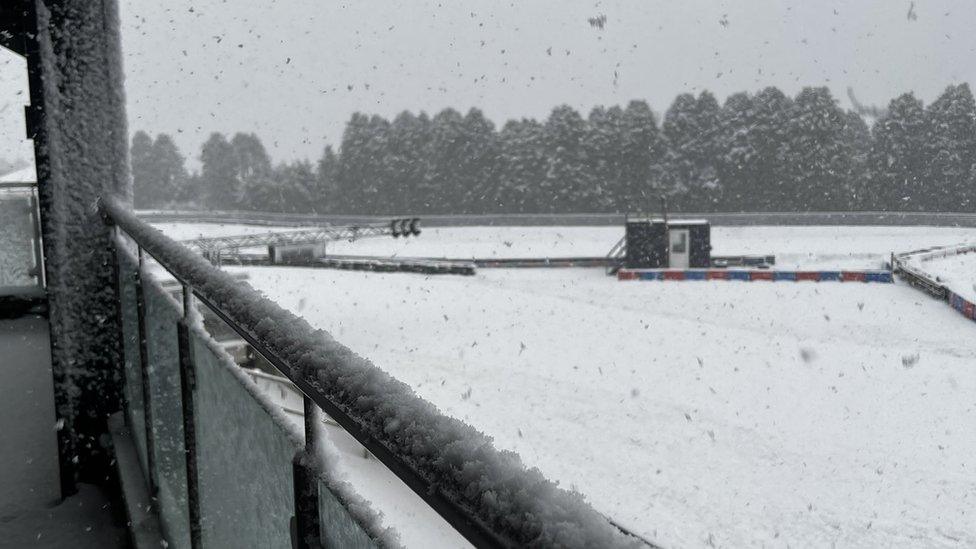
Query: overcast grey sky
[294, 70]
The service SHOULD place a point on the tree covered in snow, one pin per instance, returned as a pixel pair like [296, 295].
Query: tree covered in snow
[158, 171]
[405, 163]
[692, 127]
[897, 160]
[567, 181]
[326, 177]
[522, 165]
[219, 186]
[818, 158]
[756, 152]
[951, 147]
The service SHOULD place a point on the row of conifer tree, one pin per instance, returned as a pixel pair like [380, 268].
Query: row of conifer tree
[756, 152]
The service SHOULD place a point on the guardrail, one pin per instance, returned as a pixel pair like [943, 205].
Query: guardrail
[939, 219]
[487, 496]
[903, 264]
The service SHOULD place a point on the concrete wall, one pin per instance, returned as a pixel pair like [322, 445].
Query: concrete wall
[77, 121]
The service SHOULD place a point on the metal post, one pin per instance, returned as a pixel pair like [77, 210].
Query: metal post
[667, 231]
[306, 484]
[188, 385]
[117, 283]
[144, 368]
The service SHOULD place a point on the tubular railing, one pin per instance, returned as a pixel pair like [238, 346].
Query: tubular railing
[187, 420]
[616, 256]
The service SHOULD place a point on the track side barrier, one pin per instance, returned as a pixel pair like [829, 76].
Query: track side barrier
[908, 267]
[879, 276]
[961, 304]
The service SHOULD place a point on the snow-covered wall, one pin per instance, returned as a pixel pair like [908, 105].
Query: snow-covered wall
[80, 139]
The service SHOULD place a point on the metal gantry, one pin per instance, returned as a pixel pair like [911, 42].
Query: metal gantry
[396, 228]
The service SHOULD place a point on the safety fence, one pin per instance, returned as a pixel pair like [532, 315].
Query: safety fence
[909, 266]
[756, 275]
[228, 468]
[426, 265]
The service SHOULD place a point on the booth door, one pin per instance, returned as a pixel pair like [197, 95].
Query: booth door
[678, 249]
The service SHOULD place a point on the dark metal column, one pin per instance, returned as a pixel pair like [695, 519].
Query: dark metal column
[187, 388]
[306, 483]
[146, 387]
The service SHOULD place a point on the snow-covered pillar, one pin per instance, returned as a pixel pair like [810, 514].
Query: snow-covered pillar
[77, 121]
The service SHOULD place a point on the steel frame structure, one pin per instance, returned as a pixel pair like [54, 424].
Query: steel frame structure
[317, 235]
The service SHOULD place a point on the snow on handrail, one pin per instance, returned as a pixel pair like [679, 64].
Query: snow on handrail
[487, 495]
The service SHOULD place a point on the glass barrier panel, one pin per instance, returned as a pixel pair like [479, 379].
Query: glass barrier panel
[244, 459]
[338, 527]
[18, 242]
[162, 315]
[128, 267]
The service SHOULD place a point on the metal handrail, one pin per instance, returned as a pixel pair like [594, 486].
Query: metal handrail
[433, 479]
[616, 255]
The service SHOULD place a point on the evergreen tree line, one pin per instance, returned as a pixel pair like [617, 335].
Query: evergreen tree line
[757, 152]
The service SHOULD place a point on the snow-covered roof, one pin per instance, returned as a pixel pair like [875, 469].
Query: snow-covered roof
[23, 175]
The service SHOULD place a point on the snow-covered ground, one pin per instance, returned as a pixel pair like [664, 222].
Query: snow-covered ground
[699, 413]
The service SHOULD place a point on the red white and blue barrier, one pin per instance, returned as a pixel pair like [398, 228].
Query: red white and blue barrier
[750, 275]
[964, 306]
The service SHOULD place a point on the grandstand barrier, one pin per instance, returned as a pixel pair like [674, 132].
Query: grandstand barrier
[879, 276]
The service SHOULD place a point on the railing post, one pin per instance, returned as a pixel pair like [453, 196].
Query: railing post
[117, 284]
[307, 533]
[187, 388]
[144, 368]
